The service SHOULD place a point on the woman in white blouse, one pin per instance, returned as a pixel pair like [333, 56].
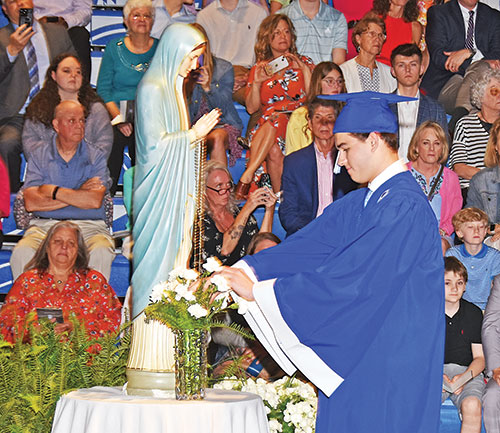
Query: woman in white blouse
[364, 73]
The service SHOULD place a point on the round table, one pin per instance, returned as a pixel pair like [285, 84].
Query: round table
[110, 410]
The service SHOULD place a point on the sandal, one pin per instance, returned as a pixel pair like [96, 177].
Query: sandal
[242, 190]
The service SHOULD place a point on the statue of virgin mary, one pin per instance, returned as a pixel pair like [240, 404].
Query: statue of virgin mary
[163, 203]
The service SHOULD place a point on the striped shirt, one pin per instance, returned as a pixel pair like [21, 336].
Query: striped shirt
[317, 38]
[469, 144]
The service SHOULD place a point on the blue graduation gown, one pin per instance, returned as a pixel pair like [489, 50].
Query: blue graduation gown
[363, 287]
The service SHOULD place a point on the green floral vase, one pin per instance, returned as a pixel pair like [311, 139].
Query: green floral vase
[190, 363]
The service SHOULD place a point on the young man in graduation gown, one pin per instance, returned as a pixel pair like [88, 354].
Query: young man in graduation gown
[355, 299]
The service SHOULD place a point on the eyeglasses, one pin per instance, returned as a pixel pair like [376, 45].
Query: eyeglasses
[374, 35]
[494, 91]
[331, 81]
[136, 16]
[222, 191]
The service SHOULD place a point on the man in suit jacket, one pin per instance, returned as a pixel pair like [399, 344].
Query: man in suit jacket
[491, 345]
[48, 40]
[407, 68]
[310, 181]
[453, 67]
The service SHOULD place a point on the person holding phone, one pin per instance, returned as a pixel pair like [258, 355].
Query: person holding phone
[23, 48]
[278, 84]
[211, 86]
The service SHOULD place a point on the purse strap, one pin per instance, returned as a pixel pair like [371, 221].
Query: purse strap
[434, 184]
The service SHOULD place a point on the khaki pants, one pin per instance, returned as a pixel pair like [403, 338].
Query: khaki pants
[97, 238]
[456, 92]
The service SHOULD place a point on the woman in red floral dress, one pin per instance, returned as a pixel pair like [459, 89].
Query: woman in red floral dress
[58, 277]
[276, 94]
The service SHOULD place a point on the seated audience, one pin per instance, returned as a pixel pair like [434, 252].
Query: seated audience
[58, 277]
[23, 48]
[311, 179]
[239, 19]
[472, 131]
[364, 72]
[227, 229]
[483, 190]
[261, 241]
[64, 82]
[278, 94]
[481, 261]
[463, 353]
[171, 11]
[407, 68]
[125, 61]
[66, 180]
[402, 27]
[491, 344]
[463, 39]
[211, 86]
[321, 30]
[74, 16]
[427, 153]
[326, 79]
[4, 196]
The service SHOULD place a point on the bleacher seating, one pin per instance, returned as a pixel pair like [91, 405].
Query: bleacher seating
[107, 24]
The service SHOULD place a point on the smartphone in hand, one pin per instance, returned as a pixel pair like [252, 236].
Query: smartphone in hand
[26, 17]
[276, 65]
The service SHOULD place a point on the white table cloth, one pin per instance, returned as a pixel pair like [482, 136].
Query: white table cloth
[110, 410]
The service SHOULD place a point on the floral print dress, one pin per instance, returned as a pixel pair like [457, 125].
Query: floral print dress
[86, 295]
[280, 95]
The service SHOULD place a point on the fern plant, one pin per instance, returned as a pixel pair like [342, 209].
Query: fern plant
[34, 375]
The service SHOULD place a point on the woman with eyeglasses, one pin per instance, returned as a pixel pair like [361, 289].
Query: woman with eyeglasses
[326, 79]
[364, 73]
[472, 132]
[228, 230]
[123, 65]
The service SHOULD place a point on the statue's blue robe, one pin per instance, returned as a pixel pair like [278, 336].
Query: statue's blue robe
[362, 289]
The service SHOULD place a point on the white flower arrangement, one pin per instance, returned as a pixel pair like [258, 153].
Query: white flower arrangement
[188, 300]
[291, 404]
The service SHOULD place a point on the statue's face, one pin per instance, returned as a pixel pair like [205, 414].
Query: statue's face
[190, 62]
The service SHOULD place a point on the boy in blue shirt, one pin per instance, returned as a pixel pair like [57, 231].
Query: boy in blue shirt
[482, 262]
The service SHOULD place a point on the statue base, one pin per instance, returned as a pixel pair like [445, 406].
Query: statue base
[151, 362]
[151, 383]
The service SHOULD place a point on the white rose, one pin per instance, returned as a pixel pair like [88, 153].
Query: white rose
[242, 306]
[221, 283]
[183, 292]
[213, 264]
[275, 426]
[157, 292]
[196, 310]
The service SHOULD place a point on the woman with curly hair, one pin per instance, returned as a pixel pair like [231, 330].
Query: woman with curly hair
[64, 81]
[400, 18]
[277, 94]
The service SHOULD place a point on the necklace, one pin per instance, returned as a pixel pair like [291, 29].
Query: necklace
[139, 67]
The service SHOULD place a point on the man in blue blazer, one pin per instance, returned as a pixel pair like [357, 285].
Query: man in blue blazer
[311, 180]
[407, 68]
[455, 60]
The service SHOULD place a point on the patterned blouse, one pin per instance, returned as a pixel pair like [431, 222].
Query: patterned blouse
[213, 241]
[86, 295]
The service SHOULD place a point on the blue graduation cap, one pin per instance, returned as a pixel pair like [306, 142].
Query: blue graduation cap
[367, 112]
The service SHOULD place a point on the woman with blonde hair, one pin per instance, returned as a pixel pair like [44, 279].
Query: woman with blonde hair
[483, 190]
[427, 153]
[277, 94]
